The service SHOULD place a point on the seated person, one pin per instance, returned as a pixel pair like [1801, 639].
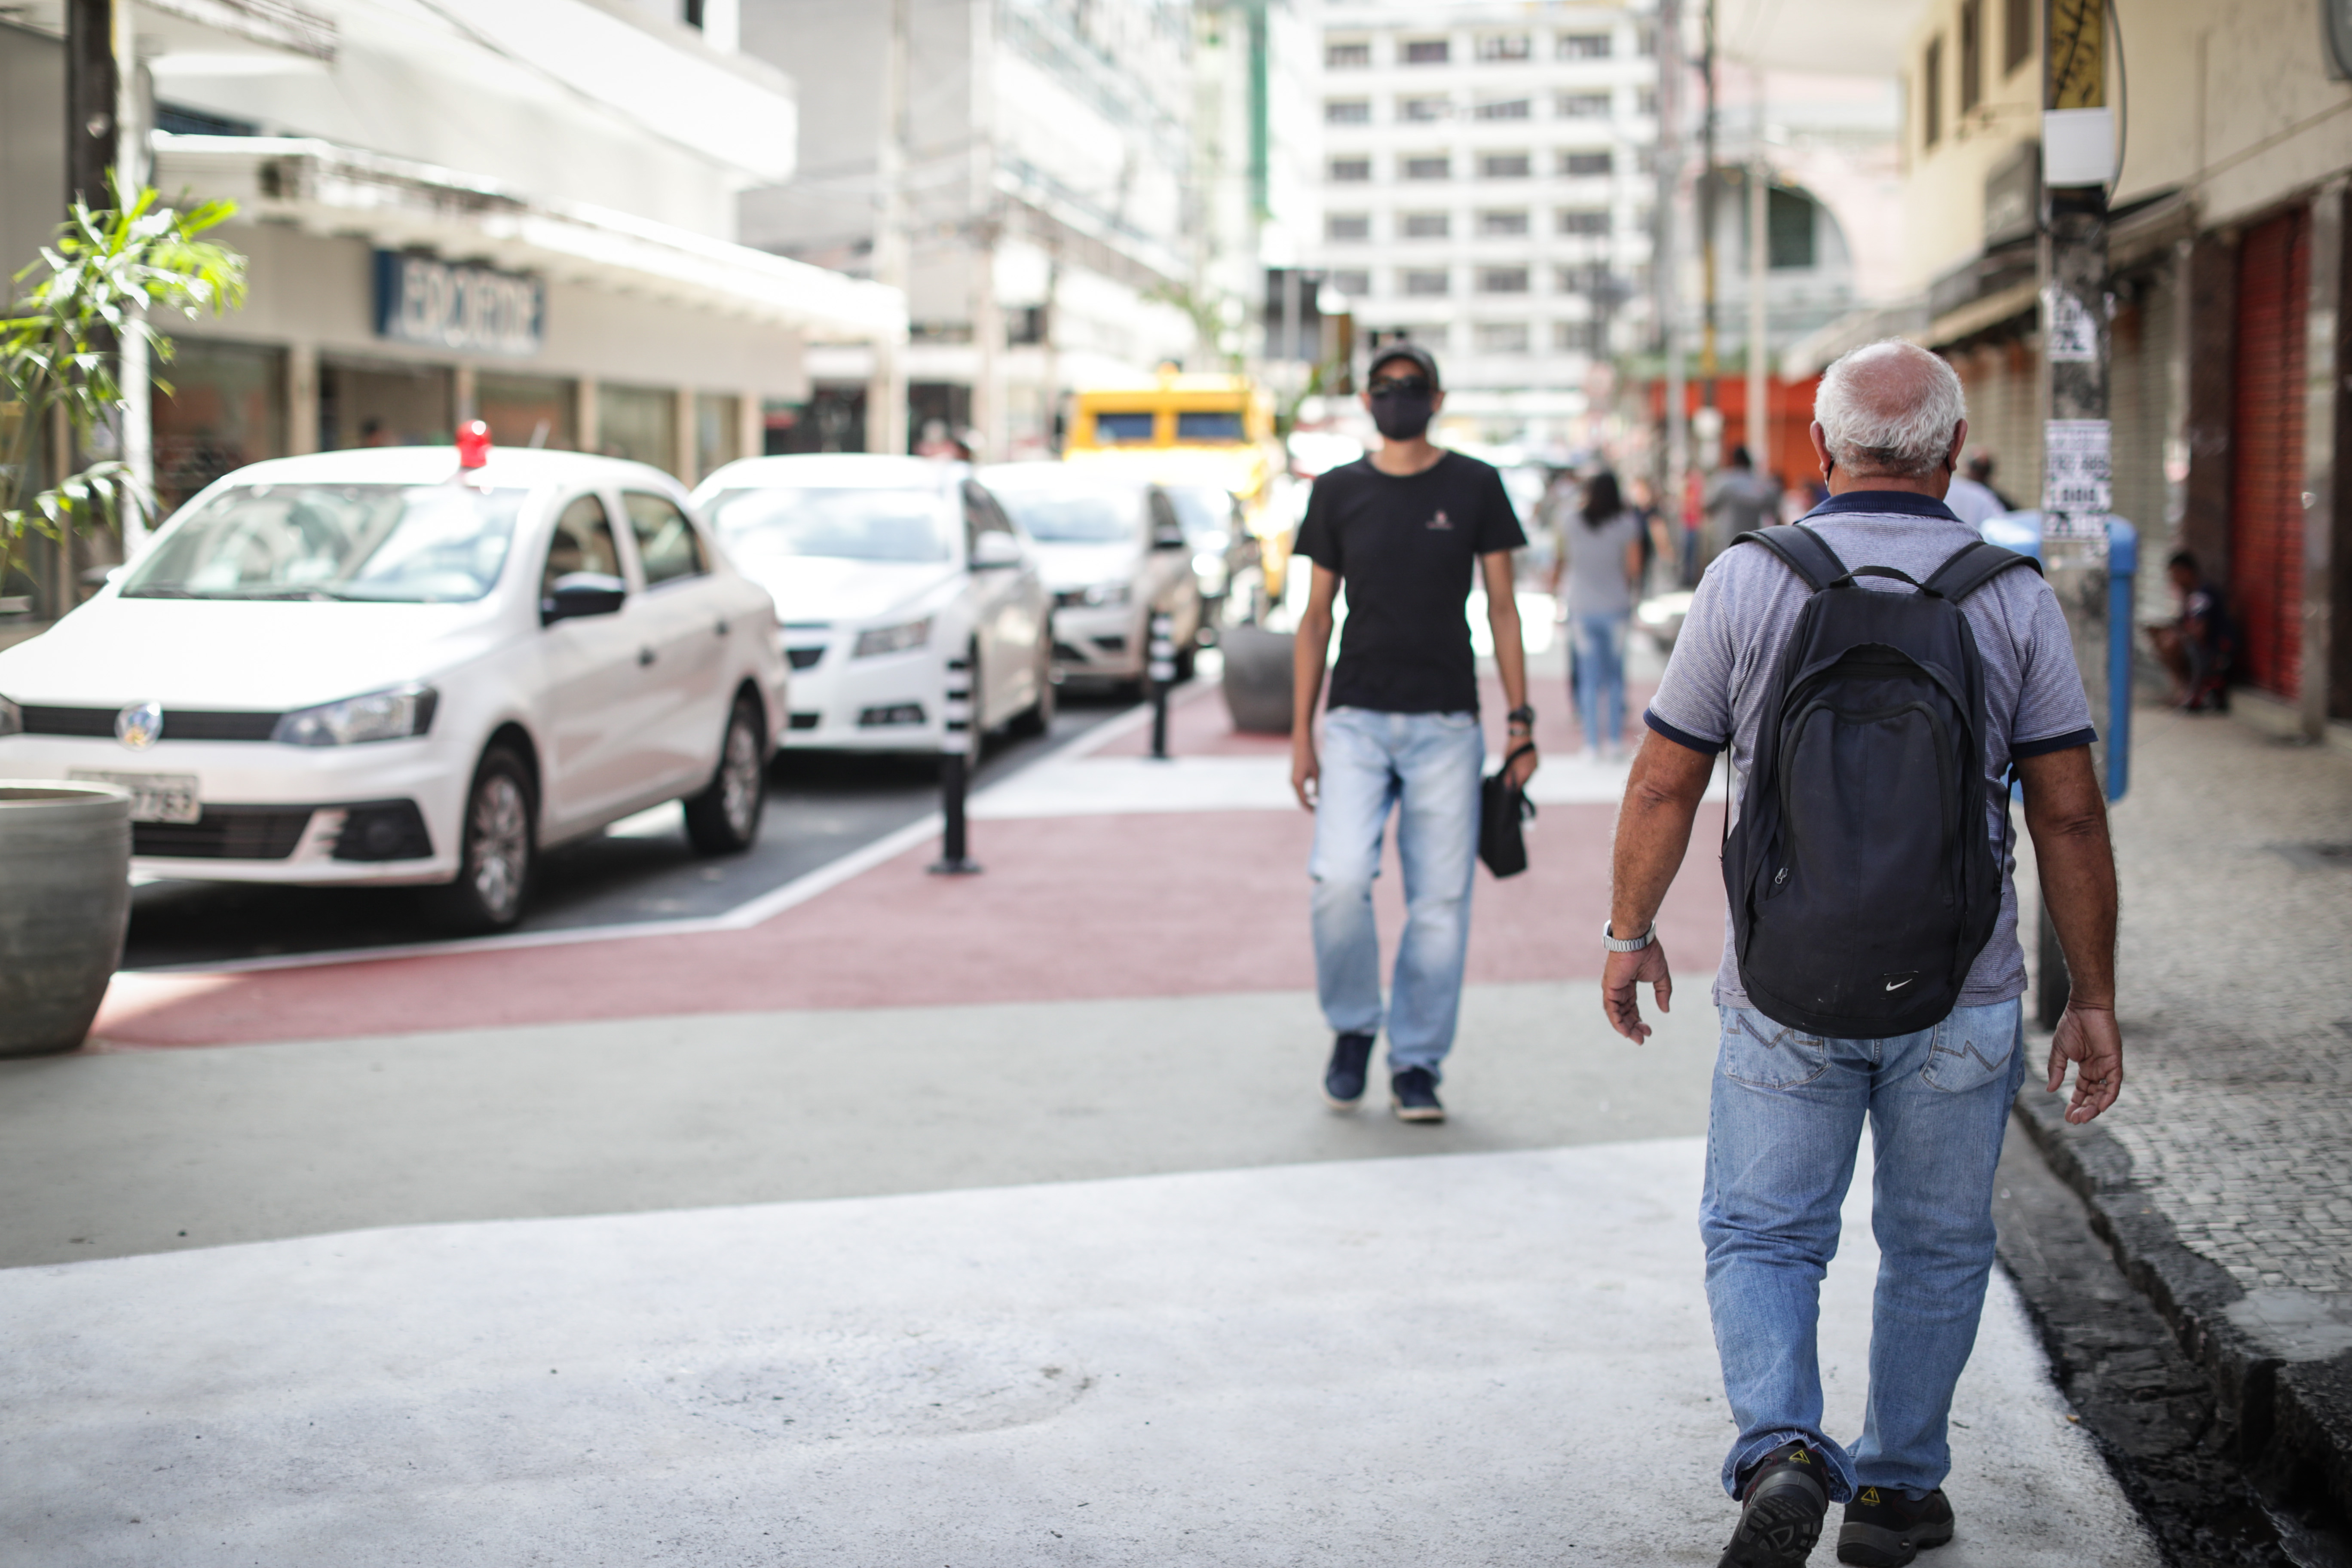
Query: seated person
[2196, 648]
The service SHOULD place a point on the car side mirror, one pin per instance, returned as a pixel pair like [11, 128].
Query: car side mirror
[578, 593]
[1168, 536]
[994, 551]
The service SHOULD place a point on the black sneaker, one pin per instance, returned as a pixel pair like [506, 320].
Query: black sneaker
[1343, 1081]
[1886, 1530]
[1413, 1092]
[1780, 1512]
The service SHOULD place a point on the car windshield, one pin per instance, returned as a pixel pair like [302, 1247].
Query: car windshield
[433, 543]
[1201, 510]
[850, 524]
[1058, 516]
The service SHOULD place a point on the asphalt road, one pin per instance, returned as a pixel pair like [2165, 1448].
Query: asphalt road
[820, 806]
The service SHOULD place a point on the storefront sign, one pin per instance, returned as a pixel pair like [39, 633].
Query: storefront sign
[467, 310]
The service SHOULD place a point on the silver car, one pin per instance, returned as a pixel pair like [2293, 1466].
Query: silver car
[1113, 552]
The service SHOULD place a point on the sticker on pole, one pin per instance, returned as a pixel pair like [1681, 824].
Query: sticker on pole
[2078, 481]
[2071, 336]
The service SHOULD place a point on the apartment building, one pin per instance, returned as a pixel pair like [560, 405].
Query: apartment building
[1487, 184]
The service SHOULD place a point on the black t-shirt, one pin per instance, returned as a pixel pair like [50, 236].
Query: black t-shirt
[1405, 546]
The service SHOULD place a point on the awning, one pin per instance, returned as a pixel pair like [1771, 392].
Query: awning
[326, 189]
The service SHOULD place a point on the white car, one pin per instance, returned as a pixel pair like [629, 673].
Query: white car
[377, 666]
[1113, 551]
[884, 569]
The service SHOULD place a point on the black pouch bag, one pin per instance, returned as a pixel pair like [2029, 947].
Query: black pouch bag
[1501, 810]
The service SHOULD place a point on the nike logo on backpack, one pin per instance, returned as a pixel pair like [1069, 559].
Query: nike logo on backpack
[1899, 985]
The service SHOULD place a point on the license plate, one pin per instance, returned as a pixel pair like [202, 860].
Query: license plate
[154, 797]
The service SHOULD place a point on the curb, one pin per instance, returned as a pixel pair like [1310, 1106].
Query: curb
[2287, 1423]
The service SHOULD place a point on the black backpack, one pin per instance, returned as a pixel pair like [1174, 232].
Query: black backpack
[1863, 885]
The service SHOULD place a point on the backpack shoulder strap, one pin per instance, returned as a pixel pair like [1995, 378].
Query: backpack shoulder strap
[1802, 550]
[1971, 567]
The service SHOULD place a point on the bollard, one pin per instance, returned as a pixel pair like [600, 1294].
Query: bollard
[955, 771]
[1162, 672]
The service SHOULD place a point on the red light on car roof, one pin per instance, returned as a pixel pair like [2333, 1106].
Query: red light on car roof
[473, 444]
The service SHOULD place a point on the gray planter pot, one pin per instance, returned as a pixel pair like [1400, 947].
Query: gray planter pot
[1258, 679]
[65, 903]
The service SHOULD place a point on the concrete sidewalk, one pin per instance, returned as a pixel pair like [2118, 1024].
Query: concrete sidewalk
[1482, 1359]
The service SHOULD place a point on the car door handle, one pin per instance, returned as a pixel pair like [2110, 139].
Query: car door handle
[644, 656]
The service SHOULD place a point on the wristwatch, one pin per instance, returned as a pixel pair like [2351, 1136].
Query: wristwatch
[1621, 945]
[1522, 714]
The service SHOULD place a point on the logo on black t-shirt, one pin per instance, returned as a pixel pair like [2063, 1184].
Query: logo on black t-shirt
[1442, 523]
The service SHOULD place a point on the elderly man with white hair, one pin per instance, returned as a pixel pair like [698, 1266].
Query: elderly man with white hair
[1789, 1102]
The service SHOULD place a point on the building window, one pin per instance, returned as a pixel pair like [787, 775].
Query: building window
[1347, 111]
[1348, 225]
[1506, 109]
[1426, 52]
[1971, 53]
[1430, 283]
[1502, 280]
[1497, 223]
[1503, 337]
[1584, 220]
[1503, 48]
[1345, 171]
[1646, 101]
[1352, 282]
[1346, 57]
[1429, 168]
[1788, 230]
[1582, 106]
[1931, 93]
[1505, 166]
[1574, 337]
[2017, 33]
[1422, 108]
[226, 408]
[1582, 46]
[1427, 226]
[1585, 165]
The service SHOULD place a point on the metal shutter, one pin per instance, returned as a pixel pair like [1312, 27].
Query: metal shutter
[2266, 477]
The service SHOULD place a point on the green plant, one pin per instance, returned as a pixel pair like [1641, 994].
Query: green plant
[60, 354]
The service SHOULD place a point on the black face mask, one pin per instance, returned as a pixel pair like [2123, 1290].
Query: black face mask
[1403, 415]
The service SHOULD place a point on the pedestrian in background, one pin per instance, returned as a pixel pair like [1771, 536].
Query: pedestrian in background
[1789, 1101]
[1738, 499]
[2197, 647]
[1603, 573]
[1405, 528]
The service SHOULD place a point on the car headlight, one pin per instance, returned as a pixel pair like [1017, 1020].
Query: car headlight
[379, 715]
[1103, 596]
[12, 719]
[892, 639]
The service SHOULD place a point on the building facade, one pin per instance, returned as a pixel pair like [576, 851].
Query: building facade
[522, 212]
[2227, 378]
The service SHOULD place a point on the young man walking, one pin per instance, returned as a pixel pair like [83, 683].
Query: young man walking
[1789, 1098]
[1403, 529]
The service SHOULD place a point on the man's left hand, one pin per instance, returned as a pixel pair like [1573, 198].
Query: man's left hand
[1523, 767]
[1621, 976]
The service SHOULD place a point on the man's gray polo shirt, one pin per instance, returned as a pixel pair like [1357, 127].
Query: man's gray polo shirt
[1747, 605]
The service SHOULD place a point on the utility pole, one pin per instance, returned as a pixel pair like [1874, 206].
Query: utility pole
[886, 392]
[134, 374]
[987, 313]
[1708, 344]
[1666, 266]
[2078, 488]
[1759, 187]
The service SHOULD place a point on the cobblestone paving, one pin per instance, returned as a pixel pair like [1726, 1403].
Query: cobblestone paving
[2236, 1001]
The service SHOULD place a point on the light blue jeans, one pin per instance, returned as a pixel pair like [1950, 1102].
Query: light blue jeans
[1782, 1131]
[1600, 677]
[1425, 767]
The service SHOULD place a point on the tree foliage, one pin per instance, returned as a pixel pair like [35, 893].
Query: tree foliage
[107, 270]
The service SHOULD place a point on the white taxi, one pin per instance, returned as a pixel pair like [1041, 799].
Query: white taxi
[410, 664]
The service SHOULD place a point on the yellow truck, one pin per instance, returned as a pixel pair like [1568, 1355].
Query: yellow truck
[1193, 430]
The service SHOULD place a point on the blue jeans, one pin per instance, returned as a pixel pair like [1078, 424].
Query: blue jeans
[1782, 1129]
[1426, 767]
[1600, 677]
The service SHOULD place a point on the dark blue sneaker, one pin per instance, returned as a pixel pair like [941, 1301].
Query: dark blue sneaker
[1343, 1081]
[1780, 1512]
[1413, 1092]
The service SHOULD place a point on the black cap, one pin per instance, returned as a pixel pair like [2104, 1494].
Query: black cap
[1420, 356]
